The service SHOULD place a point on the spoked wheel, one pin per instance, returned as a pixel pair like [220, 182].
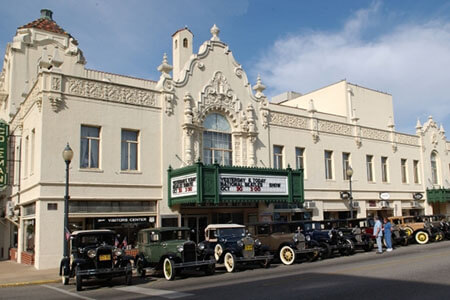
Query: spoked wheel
[218, 250]
[266, 263]
[312, 256]
[326, 251]
[79, 280]
[287, 255]
[422, 237]
[169, 269]
[128, 274]
[408, 231]
[230, 262]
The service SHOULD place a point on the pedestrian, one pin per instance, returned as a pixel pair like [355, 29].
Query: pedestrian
[378, 233]
[388, 234]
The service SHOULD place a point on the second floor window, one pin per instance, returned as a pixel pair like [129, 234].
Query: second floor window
[384, 169]
[129, 150]
[404, 170]
[299, 158]
[278, 157]
[217, 140]
[434, 169]
[345, 164]
[90, 144]
[416, 171]
[369, 164]
[328, 164]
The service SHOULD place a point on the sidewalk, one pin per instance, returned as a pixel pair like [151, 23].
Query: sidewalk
[15, 274]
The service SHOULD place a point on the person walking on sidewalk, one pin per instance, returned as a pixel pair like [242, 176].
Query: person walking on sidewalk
[388, 234]
[378, 233]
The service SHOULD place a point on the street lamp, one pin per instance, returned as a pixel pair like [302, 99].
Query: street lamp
[67, 156]
[349, 173]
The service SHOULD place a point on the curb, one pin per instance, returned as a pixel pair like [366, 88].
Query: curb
[37, 282]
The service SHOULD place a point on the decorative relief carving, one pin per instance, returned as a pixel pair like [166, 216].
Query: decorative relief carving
[288, 120]
[56, 102]
[407, 139]
[56, 84]
[168, 100]
[110, 92]
[238, 71]
[39, 103]
[333, 127]
[374, 134]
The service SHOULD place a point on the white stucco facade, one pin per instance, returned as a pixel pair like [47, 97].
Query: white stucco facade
[47, 96]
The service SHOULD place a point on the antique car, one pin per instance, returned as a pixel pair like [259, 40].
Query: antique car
[330, 240]
[285, 243]
[437, 227]
[168, 249]
[93, 254]
[232, 246]
[353, 231]
[414, 227]
[399, 235]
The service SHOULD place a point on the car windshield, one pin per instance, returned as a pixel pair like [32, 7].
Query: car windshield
[96, 239]
[236, 232]
[174, 235]
[313, 226]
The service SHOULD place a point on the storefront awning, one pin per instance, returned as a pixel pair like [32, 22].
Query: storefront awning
[438, 195]
[215, 184]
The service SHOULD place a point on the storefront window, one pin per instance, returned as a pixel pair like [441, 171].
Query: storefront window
[217, 140]
[29, 232]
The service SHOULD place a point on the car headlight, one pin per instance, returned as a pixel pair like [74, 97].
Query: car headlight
[91, 253]
[257, 243]
[330, 234]
[201, 246]
[180, 248]
[118, 252]
[340, 233]
[240, 243]
[295, 238]
[308, 238]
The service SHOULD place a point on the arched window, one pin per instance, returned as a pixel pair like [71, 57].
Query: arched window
[434, 168]
[217, 140]
[176, 44]
[185, 43]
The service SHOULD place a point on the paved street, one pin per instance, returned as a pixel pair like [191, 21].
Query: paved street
[415, 272]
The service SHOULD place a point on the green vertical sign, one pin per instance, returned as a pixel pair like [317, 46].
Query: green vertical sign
[4, 132]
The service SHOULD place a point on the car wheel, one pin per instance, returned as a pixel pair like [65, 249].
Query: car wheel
[405, 242]
[210, 269]
[140, 267]
[218, 250]
[230, 262]
[79, 280]
[169, 269]
[422, 237]
[312, 256]
[128, 274]
[287, 255]
[267, 261]
[326, 251]
[408, 231]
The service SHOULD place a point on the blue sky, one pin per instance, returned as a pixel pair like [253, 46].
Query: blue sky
[400, 47]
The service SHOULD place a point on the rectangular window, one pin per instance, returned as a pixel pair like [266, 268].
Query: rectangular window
[369, 164]
[299, 158]
[278, 157]
[33, 141]
[129, 150]
[90, 144]
[25, 158]
[345, 164]
[52, 206]
[328, 164]
[416, 171]
[404, 170]
[384, 169]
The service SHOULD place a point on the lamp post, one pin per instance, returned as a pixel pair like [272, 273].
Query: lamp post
[349, 172]
[67, 156]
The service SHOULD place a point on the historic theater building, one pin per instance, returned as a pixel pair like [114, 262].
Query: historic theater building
[200, 145]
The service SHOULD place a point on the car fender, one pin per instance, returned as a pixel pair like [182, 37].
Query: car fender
[64, 265]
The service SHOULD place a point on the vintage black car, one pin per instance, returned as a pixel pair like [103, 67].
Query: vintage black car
[436, 224]
[170, 250]
[287, 244]
[330, 240]
[232, 246]
[354, 231]
[93, 254]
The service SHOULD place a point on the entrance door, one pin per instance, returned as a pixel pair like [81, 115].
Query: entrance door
[197, 224]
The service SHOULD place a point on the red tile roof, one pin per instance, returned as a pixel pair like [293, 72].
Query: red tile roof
[45, 24]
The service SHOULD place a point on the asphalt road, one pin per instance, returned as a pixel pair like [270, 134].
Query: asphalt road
[413, 272]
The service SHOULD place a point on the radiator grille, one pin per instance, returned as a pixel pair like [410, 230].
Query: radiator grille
[189, 253]
[103, 264]
[248, 241]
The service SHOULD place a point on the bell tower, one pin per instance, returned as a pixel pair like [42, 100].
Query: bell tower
[181, 50]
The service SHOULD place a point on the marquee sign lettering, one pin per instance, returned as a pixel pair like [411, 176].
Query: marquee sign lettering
[181, 186]
[232, 184]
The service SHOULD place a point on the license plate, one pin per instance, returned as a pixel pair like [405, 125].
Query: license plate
[104, 257]
[248, 247]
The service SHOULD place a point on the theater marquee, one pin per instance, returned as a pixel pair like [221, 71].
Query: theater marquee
[232, 184]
